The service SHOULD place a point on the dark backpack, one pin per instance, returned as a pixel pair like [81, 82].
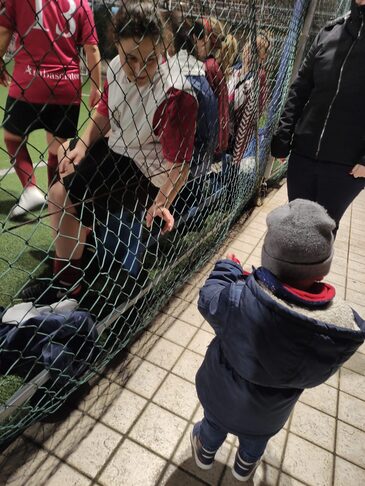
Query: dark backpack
[206, 136]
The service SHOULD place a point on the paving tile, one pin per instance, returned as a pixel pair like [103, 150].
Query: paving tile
[253, 261]
[260, 226]
[313, 425]
[92, 452]
[192, 316]
[350, 444]
[26, 464]
[101, 395]
[207, 327]
[339, 262]
[357, 250]
[356, 363]
[176, 477]
[361, 349]
[352, 383]
[159, 430]
[64, 437]
[184, 460]
[124, 411]
[334, 380]
[341, 292]
[199, 414]
[253, 233]
[132, 465]
[180, 332]
[161, 324]
[120, 370]
[164, 353]
[357, 241]
[357, 267]
[197, 278]
[175, 307]
[307, 462]
[63, 475]
[178, 396]
[323, 397]
[360, 309]
[142, 346]
[351, 410]
[357, 231]
[356, 297]
[347, 474]
[242, 246]
[275, 448]
[200, 342]
[188, 365]
[247, 238]
[355, 284]
[146, 379]
[355, 259]
[257, 251]
[187, 292]
[286, 480]
[336, 279]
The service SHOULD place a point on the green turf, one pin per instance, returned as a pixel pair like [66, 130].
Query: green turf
[8, 386]
[22, 249]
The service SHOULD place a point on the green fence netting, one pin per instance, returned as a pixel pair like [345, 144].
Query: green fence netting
[192, 95]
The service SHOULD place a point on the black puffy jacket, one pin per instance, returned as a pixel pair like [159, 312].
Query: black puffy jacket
[324, 116]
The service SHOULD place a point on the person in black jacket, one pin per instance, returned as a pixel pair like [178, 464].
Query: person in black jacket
[278, 330]
[323, 122]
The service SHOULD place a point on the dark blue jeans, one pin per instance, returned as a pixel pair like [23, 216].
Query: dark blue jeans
[212, 437]
[327, 183]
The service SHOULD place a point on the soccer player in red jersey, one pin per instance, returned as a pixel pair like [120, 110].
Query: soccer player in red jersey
[45, 87]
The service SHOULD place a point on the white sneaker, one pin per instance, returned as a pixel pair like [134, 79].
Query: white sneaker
[31, 198]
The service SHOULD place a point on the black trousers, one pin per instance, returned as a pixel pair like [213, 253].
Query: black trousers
[327, 183]
[104, 182]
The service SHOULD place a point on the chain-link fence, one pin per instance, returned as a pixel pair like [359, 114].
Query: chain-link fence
[97, 233]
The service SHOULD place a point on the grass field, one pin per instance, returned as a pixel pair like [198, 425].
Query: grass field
[24, 249]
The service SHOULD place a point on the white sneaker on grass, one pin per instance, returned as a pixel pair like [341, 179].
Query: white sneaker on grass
[31, 198]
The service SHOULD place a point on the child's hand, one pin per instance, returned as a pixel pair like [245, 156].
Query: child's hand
[162, 213]
[232, 256]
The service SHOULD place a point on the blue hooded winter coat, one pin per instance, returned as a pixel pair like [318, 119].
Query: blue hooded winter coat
[264, 353]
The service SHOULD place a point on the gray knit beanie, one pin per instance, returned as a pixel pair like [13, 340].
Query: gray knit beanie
[299, 241]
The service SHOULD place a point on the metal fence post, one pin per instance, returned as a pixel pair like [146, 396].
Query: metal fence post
[304, 36]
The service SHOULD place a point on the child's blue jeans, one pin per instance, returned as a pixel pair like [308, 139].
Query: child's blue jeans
[212, 437]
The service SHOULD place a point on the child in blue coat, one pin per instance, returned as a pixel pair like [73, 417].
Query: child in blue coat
[278, 330]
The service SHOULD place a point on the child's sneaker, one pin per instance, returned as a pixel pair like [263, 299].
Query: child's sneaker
[243, 470]
[203, 457]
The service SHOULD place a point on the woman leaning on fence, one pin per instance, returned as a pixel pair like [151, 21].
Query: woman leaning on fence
[149, 113]
[323, 121]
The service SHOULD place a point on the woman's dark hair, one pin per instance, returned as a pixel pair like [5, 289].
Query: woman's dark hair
[183, 30]
[137, 19]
